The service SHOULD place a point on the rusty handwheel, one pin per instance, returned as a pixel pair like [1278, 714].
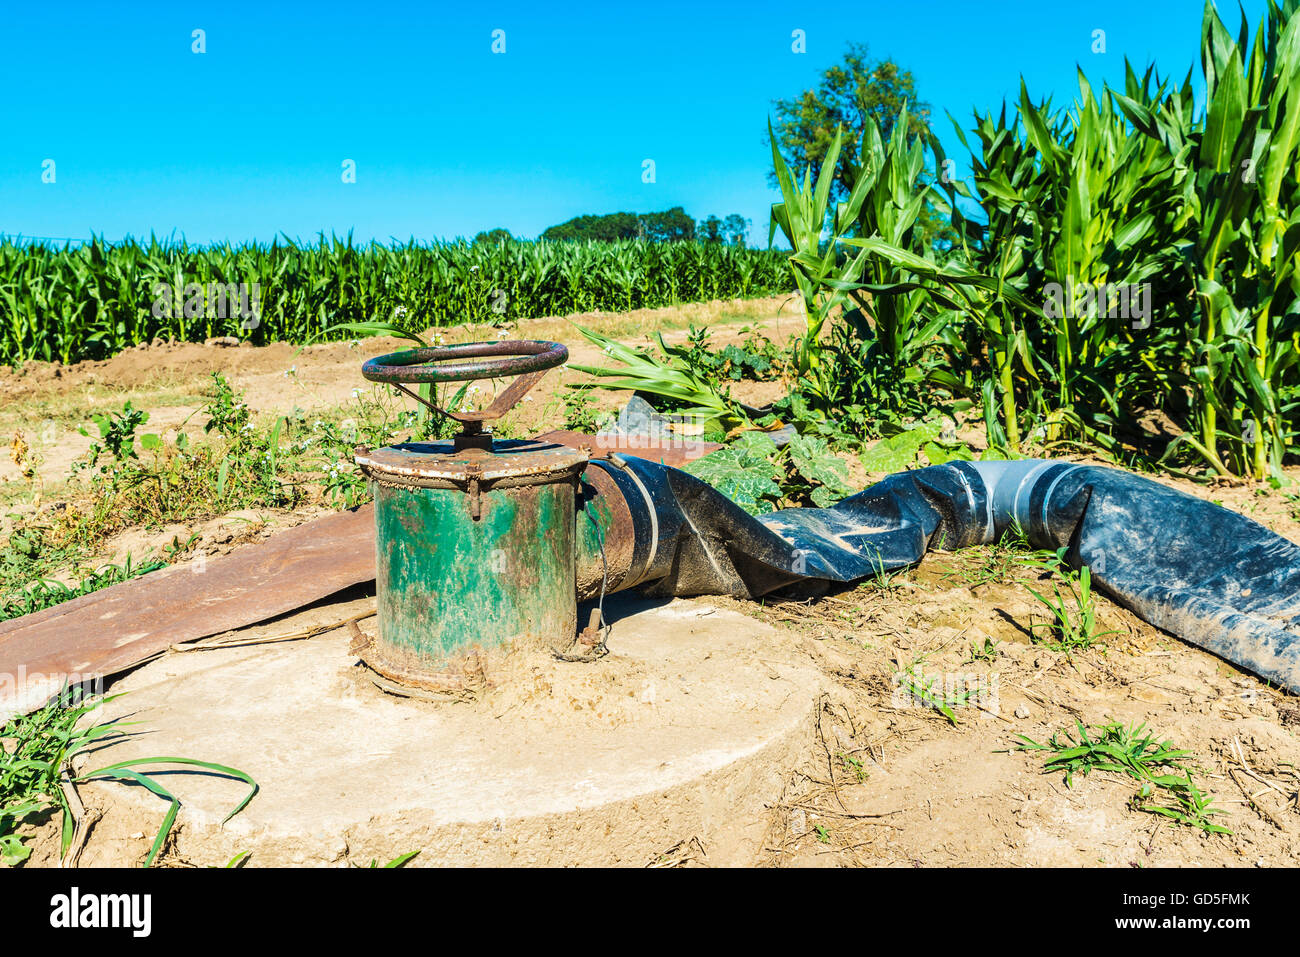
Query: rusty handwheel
[529, 359]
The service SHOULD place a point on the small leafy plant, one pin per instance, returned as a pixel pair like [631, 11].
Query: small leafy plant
[929, 691]
[760, 477]
[1073, 626]
[228, 413]
[757, 358]
[1131, 750]
[116, 436]
[580, 413]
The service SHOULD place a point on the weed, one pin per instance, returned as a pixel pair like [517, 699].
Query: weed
[1191, 807]
[756, 359]
[22, 455]
[45, 593]
[1132, 751]
[1001, 562]
[1071, 628]
[228, 414]
[882, 579]
[1113, 746]
[854, 766]
[760, 477]
[681, 387]
[580, 413]
[38, 750]
[399, 861]
[930, 692]
[116, 436]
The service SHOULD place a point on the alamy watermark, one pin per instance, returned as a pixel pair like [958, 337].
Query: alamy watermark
[1080, 300]
[637, 426]
[215, 300]
[946, 691]
[34, 686]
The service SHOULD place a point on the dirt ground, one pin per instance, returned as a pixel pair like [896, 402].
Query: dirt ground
[885, 781]
[48, 402]
[892, 782]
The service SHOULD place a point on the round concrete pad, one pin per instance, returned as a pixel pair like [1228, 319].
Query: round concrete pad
[683, 731]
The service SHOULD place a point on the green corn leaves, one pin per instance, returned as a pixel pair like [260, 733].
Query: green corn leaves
[93, 300]
[1136, 252]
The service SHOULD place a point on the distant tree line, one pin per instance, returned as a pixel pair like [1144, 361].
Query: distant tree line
[668, 226]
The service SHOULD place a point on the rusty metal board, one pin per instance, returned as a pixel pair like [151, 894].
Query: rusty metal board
[666, 450]
[119, 627]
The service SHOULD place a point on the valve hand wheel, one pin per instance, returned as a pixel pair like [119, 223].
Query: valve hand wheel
[529, 359]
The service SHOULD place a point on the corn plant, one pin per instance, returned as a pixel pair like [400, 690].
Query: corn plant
[669, 376]
[893, 345]
[94, 299]
[885, 330]
[1237, 188]
[822, 275]
[1133, 195]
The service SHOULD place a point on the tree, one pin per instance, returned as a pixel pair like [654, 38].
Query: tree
[606, 228]
[498, 235]
[710, 230]
[667, 226]
[848, 93]
[733, 230]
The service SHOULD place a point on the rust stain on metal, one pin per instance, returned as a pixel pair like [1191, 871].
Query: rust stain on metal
[439, 465]
[616, 540]
[467, 673]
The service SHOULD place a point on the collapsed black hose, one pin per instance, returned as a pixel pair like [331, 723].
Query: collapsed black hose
[1195, 569]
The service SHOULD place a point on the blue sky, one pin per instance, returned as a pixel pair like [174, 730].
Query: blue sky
[247, 140]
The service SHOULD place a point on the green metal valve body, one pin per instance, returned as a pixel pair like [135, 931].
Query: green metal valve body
[475, 552]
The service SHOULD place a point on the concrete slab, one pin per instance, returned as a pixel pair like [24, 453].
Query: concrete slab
[683, 731]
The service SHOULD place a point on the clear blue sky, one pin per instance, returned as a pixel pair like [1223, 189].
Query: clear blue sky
[247, 140]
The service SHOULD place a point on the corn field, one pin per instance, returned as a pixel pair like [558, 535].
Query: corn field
[1129, 259]
[94, 299]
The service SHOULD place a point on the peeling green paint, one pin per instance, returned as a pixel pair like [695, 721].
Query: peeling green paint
[448, 583]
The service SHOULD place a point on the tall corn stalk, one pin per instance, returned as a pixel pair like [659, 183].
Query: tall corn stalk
[1237, 181]
[821, 274]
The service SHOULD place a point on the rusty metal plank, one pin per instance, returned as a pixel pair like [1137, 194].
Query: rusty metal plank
[109, 631]
[666, 450]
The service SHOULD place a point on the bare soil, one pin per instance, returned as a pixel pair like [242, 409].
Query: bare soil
[45, 406]
[893, 782]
